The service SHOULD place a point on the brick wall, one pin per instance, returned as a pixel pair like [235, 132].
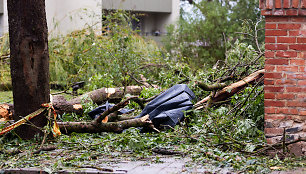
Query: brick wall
[285, 77]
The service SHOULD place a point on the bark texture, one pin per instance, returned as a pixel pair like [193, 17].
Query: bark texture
[29, 61]
[101, 95]
[97, 96]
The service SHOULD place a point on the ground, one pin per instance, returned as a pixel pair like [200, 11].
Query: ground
[131, 152]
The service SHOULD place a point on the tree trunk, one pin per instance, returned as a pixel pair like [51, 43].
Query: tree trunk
[29, 61]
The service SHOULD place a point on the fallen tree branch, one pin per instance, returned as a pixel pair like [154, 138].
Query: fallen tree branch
[164, 151]
[278, 145]
[112, 109]
[232, 89]
[47, 148]
[212, 87]
[94, 127]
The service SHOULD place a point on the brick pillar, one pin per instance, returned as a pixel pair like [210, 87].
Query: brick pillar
[285, 77]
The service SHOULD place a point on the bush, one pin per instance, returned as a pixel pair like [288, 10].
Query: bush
[104, 59]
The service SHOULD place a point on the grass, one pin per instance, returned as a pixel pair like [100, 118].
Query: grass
[6, 97]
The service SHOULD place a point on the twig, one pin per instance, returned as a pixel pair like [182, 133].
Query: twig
[164, 151]
[212, 87]
[255, 87]
[112, 109]
[48, 148]
[95, 167]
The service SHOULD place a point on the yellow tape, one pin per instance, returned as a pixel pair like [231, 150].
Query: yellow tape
[48, 106]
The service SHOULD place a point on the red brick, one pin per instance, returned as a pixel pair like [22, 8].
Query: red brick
[294, 33]
[302, 54]
[286, 3]
[278, 3]
[302, 83]
[262, 4]
[266, 12]
[269, 68]
[303, 32]
[299, 47]
[289, 26]
[286, 54]
[274, 103]
[271, 140]
[277, 19]
[296, 103]
[295, 3]
[302, 68]
[302, 112]
[277, 61]
[293, 111]
[286, 111]
[302, 12]
[287, 68]
[301, 96]
[279, 12]
[301, 40]
[269, 53]
[295, 89]
[296, 76]
[281, 96]
[286, 40]
[298, 19]
[270, 26]
[275, 117]
[297, 62]
[270, 39]
[268, 82]
[269, 4]
[270, 110]
[303, 4]
[274, 131]
[273, 75]
[269, 95]
[274, 89]
[276, 33]
[285, 82]
[281, 111]
[276, 46]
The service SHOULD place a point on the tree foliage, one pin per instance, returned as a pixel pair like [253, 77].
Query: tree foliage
[202, 35]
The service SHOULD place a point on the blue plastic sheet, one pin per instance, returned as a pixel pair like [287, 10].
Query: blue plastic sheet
[99, 110]
[168, 108]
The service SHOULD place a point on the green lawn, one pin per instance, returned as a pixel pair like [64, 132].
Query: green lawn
[6, 97]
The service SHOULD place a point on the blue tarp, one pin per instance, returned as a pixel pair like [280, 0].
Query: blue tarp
[99, 110]
[168, 108]
[165, 110]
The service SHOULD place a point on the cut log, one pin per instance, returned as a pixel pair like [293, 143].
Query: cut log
[101, 95]
[61, 105]
[97, 96]
[232, 89]
[6, 112]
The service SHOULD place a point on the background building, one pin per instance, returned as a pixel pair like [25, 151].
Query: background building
[153, 15]
[64, 16]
